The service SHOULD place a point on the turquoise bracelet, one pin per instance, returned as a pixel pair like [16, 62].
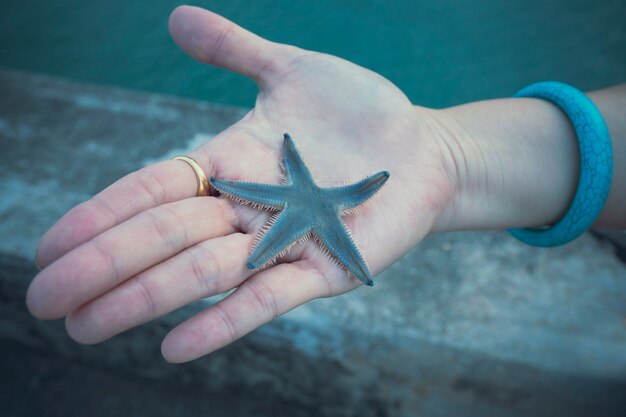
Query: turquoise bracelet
[596, 165]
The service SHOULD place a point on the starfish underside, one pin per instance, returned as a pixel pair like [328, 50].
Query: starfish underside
[304, 210]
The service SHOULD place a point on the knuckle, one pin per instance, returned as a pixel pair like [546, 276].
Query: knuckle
[94, 211]
[210, 53]
[227, 320]
[81, 223]
[226, 212]
[265, 298]
[147, 297]
[168, 226]
[272, 66]
[323, 277]
[282, 59]
[148, 184]
[104, 257]
[205, 269]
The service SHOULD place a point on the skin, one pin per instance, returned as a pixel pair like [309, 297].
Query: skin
[146, 246]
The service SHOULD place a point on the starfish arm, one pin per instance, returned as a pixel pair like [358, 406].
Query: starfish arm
[262, 195]
[295, 169]
[277, 237]
[350, 196]
[336, 239]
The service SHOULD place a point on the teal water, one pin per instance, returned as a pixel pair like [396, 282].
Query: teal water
[439, 52]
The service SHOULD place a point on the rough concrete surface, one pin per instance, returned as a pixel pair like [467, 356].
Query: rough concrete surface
[466, 324]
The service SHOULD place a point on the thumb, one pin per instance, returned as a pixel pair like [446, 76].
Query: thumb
[215, 40]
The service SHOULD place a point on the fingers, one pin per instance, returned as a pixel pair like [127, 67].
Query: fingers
[263, 297]
[209, 38]
[214, 40]
[208, 268]
[149, 187]
[119, 253]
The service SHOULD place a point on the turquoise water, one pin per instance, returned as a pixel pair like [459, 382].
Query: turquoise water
[438, 52]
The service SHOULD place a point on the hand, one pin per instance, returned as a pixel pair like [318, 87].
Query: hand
[146, 245]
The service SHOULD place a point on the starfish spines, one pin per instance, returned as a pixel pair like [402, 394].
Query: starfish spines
[259, 236]
[284, 233]
[243, 192]
[263, 230]
[338, 263]
[328, 254]
[304, 238]
[358, 193]
[352, 259]
[284, 180]
[307, 210]
[351, 211]
[296, 170]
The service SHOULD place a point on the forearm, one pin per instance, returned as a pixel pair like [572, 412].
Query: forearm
[515, 162]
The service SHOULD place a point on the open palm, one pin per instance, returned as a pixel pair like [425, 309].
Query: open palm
[146, 245]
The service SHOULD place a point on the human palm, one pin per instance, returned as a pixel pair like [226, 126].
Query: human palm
[146, 246]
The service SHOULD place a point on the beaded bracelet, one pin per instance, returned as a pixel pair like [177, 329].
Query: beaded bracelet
[596, 164]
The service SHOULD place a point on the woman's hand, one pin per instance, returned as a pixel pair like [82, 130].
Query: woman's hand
[146, 245]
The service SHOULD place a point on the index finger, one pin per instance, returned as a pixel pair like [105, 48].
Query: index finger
[157, 184]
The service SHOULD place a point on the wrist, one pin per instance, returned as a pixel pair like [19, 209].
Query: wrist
[513, 163]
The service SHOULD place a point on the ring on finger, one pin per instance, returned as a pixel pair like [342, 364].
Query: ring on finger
[203, 181]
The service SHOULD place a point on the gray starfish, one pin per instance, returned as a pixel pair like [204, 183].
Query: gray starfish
[305, 210]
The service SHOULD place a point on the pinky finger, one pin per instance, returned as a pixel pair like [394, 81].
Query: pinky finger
[260, 299]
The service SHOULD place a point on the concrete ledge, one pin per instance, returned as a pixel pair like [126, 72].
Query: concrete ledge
[466, 324]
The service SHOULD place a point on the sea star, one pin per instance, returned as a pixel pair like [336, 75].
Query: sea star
[305, 210]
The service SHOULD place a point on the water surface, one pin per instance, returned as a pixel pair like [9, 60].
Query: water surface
[439, 52]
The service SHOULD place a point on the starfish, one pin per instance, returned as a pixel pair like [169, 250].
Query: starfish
[302, 210]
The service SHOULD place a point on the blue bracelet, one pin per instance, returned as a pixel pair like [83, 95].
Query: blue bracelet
[596, 164]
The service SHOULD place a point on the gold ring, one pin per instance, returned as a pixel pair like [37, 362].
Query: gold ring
[203, 181]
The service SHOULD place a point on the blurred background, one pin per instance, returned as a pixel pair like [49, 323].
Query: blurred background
[468, 324]
[440, 53]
